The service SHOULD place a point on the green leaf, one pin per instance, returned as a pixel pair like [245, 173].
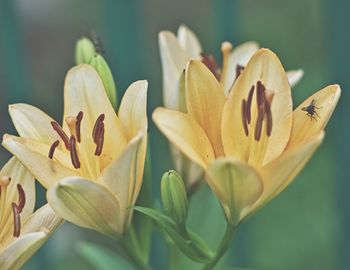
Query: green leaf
[102, 258]
[188, 242]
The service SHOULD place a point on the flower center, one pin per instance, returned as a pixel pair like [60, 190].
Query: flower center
[16, 207]
[72, 143]
[257, 122]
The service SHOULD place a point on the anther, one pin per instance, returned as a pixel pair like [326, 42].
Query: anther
[260, 93]
[16, 220]
[98, 122]
[258, 127]
[21, 198]
[249, 104]
[78, 126]
[74, 152]
[100, 139]
[53, 148]
[209, 61]
[61, 133]
[244, 117]
[239, 70]
[268, 118]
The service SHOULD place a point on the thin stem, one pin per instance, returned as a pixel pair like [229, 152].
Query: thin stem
[225, 242]
[135, 257]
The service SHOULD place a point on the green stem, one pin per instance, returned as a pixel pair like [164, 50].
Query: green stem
[135, 257]
[225, 242]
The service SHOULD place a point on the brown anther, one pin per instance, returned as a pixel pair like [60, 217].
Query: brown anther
[249, 104]
[260, 94]
[21, 198]
[100, 139]
[78, 126]
[74, 153]
[95, 131]
[258, 127]
[61, 133]
[16, 220]
[210, 62]
[244, 117]
[239, 70]
[53, 148]
[268, 118]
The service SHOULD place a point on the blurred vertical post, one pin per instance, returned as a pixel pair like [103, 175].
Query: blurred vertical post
[339, 44]
[12, 56]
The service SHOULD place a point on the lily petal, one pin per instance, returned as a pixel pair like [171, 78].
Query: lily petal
[186, 134]
[30, 122]
[304, 126]
[239, 56]
[189, 42]
[294, 76]
[86, 204]
[19, 251]
[123, 177]
[237, 186]
[203, 95]
[265, 67]
[31, 155]
[132, 110]
[84, 91]
[174, 59]
[278, 174]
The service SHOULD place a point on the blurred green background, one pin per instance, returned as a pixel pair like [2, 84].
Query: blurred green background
[308, 225]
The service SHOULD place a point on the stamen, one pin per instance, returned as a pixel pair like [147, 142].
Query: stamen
[21, 198]
[268, 118]
[74, 153]
[244, 117]
[5, 181]
[16, 220]
[78, 126]
[100, 139]
[61, 133]
[260, 94]
[209, 61]
[258, 127]
[239, 70]
[249, 104]
[53, 148]
[99, 120]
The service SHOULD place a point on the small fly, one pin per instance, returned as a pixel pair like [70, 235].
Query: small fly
[311, 110]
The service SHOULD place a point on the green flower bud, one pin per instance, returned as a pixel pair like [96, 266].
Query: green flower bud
[84, 51]
[102, 68]
[174, 197]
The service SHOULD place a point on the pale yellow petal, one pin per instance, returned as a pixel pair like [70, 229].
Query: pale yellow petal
[265, 67]
[174, 59]
[294, 76]
[239, 56]
[133, 109]
[205, 102]
[305, 126]
[84, 91]
[32, 123]
[123, 177]
[189, 42]
[186, 134]
[278, 174]
[86, 204]
[236, 185]
[33, 155]
[21, 250]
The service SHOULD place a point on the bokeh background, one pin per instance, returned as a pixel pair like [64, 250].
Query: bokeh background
[308, 225]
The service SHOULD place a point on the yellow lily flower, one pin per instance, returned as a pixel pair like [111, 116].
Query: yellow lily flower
[22, 232]
[175, 52]
[251, 144]
[93, 165]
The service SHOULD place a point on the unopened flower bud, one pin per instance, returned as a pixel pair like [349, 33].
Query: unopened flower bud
[174, 197]
[84, 51]
[102, 68]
